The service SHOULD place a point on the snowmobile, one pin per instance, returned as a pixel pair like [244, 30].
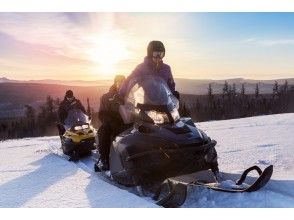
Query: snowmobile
[79, 137]
[160, 146]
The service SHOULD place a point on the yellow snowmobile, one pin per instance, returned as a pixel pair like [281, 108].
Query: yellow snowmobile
[79, 137]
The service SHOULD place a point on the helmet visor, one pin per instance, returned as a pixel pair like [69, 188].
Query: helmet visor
[158, 54]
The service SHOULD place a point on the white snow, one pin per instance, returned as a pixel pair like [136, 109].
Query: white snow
[32, 176]
[261, 141]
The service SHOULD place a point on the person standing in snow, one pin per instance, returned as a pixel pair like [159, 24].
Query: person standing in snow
[152, 65]
[112, 123]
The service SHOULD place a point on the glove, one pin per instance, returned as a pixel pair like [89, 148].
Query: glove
[176, 94]
[115, 102]
[118, 99]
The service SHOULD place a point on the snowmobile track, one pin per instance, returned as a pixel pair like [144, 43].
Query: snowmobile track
[87, 164]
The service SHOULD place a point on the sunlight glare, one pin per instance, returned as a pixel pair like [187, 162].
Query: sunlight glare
[108, 51]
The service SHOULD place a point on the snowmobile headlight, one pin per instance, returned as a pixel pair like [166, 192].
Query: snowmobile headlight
[77, 128]
[175, 114]
[157, 117]
[85, 126]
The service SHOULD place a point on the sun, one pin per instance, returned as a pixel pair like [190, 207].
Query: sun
[107, 51]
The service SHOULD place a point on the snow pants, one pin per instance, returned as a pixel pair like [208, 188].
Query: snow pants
[106, 133]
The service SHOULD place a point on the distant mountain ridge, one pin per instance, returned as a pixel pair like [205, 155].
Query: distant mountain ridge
[187, 86]
[15, 94]
[60, 82]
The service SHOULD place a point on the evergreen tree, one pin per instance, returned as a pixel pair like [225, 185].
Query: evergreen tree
[28, 128]
[225, 89]
[257, 91]
[243, 90]
[284, 88]
[234, 90]
[275, 89]
[210, 95]
[50, 116]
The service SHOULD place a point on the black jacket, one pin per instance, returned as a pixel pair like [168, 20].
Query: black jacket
[65, 106]
[108, 110]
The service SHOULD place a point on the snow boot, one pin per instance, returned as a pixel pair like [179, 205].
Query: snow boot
[101, 166]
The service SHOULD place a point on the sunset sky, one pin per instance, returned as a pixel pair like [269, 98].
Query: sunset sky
[91, 46]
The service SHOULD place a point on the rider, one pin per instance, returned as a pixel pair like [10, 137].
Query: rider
[152, 64]
[112, 123]
[69, 102]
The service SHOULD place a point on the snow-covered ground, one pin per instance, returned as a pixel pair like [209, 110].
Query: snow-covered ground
[32, 176]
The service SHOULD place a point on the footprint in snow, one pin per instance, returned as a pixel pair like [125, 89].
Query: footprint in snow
[266, 145]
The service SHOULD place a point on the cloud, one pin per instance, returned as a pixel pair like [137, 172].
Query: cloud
[277, 42]
[51, 29]
[269, 42]
[248, 40]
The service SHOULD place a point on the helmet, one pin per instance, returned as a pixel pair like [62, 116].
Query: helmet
[69, 94]
[155, 46]
[119, 78]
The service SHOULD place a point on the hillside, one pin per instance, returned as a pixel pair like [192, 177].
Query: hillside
[14, 94]
[32, 176]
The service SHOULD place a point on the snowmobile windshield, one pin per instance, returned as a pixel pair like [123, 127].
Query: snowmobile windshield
[75, 117]
[151, 95]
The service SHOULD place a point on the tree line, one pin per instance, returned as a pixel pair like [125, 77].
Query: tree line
[36, 122]
[41, 121]
[232, 104]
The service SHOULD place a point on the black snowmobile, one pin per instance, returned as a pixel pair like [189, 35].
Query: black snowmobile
[79, 137]
[160, 146]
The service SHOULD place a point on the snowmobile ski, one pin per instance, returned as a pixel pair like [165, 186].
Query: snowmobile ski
[239, 185]
[175, 192]
[58, 151]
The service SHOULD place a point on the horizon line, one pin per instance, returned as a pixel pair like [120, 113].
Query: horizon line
[109, 79]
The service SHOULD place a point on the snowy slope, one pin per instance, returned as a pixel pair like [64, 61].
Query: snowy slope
[251, 141]
[32, 176]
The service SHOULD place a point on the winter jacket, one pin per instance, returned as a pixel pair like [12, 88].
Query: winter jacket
[148, 67]
[108, 110]
[65, 106]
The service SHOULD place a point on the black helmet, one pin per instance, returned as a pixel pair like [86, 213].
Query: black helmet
[155, 46]
[69, 94]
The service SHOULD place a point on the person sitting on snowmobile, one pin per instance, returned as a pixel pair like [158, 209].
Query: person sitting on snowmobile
[69, 102]
[152, 64]
[112, 123]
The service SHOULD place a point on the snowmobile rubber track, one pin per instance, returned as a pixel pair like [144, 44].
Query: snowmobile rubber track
[261, 181]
